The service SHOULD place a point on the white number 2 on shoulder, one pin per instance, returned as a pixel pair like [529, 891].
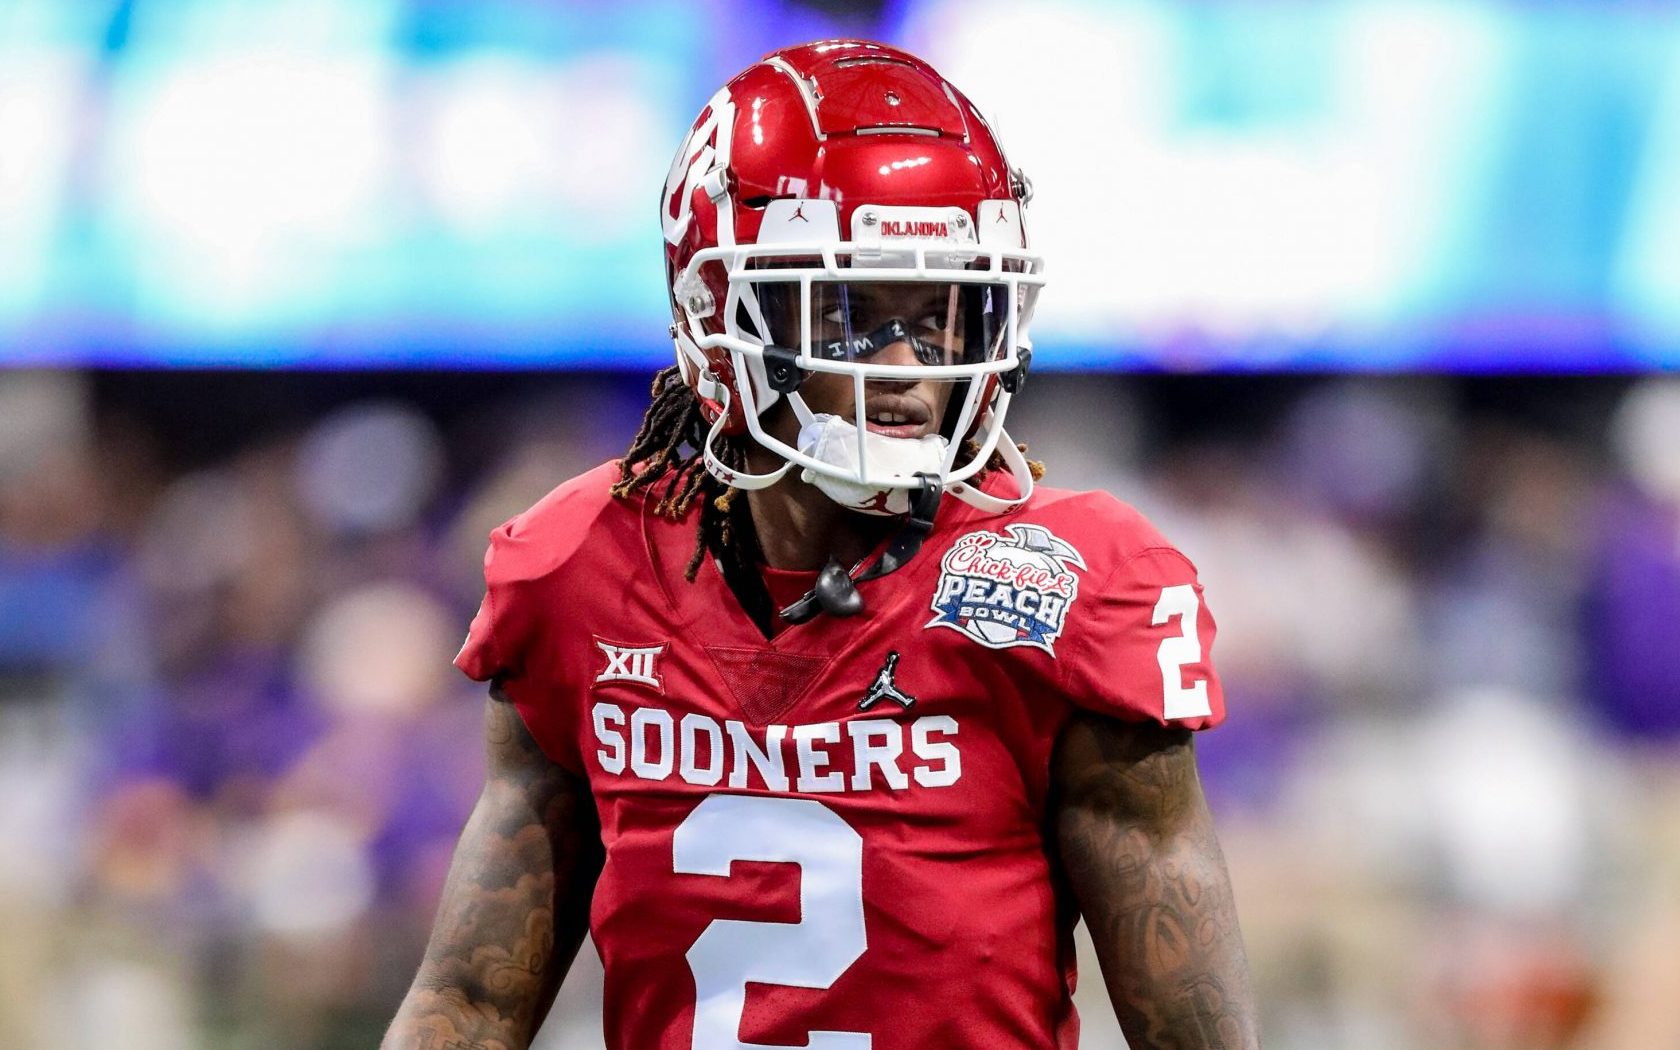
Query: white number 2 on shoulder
[1180, 700]
[810, 953]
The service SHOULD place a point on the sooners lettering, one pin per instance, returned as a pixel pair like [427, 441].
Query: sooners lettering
[862, 754]
[898, 228]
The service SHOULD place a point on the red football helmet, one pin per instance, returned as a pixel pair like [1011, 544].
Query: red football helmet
[823, 171]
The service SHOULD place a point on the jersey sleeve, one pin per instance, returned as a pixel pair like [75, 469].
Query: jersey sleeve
[505, 646]
[1140, 646]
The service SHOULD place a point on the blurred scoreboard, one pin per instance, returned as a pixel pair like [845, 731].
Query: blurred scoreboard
[1386, 184]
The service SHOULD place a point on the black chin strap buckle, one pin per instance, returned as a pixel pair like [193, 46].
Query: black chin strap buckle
[781, 369]
[924, 504]
[1016, 378]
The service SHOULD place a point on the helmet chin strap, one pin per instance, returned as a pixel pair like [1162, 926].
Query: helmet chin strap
[836, 590]
[972, 495]
[729, 475]
[1019, 469]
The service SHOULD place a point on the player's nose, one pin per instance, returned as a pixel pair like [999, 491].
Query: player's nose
[898, 352]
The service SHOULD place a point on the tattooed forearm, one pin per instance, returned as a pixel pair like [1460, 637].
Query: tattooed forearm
[1138, 847]
[514, 907]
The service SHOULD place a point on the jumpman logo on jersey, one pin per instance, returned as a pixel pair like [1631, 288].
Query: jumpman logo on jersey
[884, 688]
[799, 213]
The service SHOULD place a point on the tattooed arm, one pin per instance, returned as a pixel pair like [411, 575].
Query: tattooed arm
[1137, 843]
[515, 906]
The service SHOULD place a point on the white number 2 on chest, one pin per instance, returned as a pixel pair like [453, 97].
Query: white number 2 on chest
[810, 953]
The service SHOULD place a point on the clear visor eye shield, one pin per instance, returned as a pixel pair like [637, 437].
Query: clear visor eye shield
[888, 316]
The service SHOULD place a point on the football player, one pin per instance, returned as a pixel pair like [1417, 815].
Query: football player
[820, 715]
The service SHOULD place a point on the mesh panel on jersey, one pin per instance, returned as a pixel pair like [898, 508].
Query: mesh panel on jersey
[765, 683]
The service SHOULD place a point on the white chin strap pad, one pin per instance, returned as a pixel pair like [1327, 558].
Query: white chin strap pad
[834, 441]
[831, 439]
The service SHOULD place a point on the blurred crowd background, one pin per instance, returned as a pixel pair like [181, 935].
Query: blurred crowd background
[234, 757]
[1366, 302]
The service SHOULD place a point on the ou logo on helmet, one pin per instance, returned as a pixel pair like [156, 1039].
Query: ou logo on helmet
[702, 159]
[701, 164]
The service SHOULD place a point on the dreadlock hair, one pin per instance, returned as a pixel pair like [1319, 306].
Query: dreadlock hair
[666, 462]
[668, 446]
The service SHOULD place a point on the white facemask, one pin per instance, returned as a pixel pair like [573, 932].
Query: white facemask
[830, 439]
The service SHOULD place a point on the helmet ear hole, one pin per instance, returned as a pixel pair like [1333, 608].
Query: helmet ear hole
[694, 298]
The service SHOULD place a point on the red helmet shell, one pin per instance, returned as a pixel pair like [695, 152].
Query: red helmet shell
[849, 121]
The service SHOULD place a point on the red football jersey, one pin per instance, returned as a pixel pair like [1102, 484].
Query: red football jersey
[837, 838]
